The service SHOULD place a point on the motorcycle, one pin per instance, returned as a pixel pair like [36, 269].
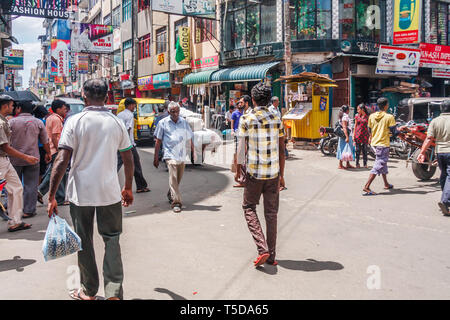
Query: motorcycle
[328, 145]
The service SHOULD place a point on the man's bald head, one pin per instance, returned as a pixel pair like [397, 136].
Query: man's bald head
[95, 91]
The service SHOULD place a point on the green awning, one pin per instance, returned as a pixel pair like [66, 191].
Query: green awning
[253, 72]
[198, 77]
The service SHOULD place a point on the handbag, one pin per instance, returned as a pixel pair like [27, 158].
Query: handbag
[339, 131]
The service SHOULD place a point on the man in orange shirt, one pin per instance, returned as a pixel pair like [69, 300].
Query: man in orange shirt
[54, 125]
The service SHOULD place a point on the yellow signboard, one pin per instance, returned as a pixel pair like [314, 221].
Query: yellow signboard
[406, 21]
[160, 59]
[184, 34]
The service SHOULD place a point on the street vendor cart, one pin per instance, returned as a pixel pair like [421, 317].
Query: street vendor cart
[309, 101]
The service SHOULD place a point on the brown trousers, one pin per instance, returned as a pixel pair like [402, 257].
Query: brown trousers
[252, 193]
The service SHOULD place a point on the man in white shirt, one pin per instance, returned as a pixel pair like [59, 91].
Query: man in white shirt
[174, 133]
[127, 116]
[275, 102]
[90, 140]
[228, 116]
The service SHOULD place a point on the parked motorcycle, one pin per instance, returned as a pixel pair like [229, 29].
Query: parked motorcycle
[328, 145]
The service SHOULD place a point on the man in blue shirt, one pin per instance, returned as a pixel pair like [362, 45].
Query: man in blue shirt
[173, 133]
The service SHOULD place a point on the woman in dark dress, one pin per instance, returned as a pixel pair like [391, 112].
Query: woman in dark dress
[361, 134]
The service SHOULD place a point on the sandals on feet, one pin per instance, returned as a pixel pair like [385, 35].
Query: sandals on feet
[389, 187]
[370, 193]
[22, 226]
[262, 258]
[143, 190]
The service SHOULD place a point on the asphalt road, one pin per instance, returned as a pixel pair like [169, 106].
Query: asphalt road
[333, 243]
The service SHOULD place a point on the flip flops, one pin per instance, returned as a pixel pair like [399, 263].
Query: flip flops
[22, 226]
[75, 294]
[143, 190]
[390, 187]
[370, 193]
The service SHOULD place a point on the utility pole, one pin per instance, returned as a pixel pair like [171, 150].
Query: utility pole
[287, 51]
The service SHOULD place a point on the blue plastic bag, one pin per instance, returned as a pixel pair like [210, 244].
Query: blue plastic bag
[60, 240]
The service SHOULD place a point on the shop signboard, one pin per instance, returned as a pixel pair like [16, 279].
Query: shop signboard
[434, 56]
[184, 34]
[196, 8]
[160, 59]
[51, 9]
[398, 61]
[205, 63]
[14, 59]
[251, 52]
[91, 38]
[407, 17]
[60, 57]
[154, 82]
[365, 47]
[440, 73]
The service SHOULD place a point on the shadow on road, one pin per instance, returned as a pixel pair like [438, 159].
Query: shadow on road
[171, 294]
[15, 263]
[197, 207]
[310, 265]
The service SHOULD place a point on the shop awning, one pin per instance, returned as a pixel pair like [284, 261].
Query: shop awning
[253, 72]
[198, 77]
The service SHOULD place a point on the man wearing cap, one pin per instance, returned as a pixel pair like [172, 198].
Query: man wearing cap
[7, 171]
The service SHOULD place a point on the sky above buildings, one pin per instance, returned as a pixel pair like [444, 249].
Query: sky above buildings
[27, 30]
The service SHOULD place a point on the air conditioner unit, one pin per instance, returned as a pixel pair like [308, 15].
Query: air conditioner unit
[127, 65]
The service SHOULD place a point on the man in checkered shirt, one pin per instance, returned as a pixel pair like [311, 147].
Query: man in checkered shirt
[261, 147]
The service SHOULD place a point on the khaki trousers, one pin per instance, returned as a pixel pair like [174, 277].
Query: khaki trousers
[14, 189]
[176, 170]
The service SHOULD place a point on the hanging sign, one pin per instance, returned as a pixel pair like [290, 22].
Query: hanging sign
[398, 61]
[91, 38]
[434, 56]
[406, 21]
[184, 33]
[51, 9]
[60, 57]
[14, 59]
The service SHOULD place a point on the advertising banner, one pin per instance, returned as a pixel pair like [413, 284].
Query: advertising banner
[441, 73]
[398, 61]
[91, 38]
[83, 63]
[407, 19]
[184, 35]
[60, 57]
[434, 56]
[59, 9]
[14, 59]
[196, 8]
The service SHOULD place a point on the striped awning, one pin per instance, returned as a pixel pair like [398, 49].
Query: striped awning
[254, 72]
[198, 77]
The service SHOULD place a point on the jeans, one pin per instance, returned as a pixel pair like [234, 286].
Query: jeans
[45, 184]
[444, 165]
[30, 179]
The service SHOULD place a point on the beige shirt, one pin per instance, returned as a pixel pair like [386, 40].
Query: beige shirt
[54, 125]
[440, 130]
[5, 134]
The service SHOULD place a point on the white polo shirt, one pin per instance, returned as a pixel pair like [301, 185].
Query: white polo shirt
[94, 136]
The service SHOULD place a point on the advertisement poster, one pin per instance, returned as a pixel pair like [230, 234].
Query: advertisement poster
[83, 63]
[204, 63]
[406, 21]
[60, 57]
[91, 38]
[184, 42]
[59, 9]
[323, 103]
[196, 8]
[14, 59]
[398, 61]
[434, 56]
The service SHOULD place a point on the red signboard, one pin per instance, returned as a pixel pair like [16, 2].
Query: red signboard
[434, 56]
[203, 63]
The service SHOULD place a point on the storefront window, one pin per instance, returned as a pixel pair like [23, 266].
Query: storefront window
[439, 23]
[363, 19]
[247, 24]
[310, 19]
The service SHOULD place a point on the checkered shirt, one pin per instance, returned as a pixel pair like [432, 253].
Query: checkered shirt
[262, 129]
